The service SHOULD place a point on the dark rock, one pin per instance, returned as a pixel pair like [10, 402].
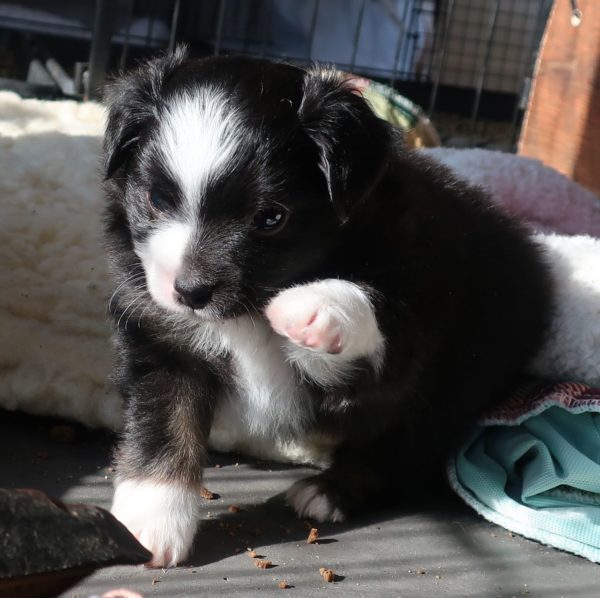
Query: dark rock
[46, 546]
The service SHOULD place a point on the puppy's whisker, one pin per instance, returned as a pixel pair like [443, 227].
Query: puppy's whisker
[248, 311]
[253, 310]
[135, 300]
[133, 278]
[148, 306]
[133, 309]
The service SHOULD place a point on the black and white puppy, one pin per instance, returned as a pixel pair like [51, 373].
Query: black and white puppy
[292, 281]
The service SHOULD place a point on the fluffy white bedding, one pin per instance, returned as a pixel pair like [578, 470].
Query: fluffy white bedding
[54, 343]
[55, 351]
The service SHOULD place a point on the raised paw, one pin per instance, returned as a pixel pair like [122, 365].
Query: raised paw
[313, 498]
[308, 318]
[327, 325]
[162, 516]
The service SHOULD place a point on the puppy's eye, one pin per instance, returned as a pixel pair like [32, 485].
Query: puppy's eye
[158, 202]
[270, 220]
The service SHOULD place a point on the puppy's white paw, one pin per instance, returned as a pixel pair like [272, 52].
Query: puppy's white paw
[310, 499]
[327, 325]
[330, 316]
[308, 319]
[163, 517]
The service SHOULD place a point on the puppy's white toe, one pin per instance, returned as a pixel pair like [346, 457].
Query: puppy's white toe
[310, 499]
[162, 516]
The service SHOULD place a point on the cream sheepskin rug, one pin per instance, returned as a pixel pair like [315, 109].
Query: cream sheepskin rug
[55, 354]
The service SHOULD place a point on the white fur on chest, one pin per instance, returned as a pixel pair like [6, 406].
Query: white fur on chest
[265, 411]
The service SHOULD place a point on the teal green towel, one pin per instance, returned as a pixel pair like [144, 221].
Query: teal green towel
[533, 467]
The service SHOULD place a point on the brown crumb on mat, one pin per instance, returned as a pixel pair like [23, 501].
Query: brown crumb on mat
[313, 535]
[263, 564]
[282, 585]
[327, 574]
[252, 554]
[234, 509]
[207, 494]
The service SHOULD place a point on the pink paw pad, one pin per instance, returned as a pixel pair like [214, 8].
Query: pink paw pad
[304, 323]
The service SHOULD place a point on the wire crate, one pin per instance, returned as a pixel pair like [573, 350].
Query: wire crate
[467, 62]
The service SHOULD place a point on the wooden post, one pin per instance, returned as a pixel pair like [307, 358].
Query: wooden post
[562, 122]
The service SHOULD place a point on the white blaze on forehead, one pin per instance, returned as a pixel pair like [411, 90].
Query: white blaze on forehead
[198, 134]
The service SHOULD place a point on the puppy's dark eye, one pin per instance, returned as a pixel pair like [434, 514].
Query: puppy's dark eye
[158, 202]
[270, 220]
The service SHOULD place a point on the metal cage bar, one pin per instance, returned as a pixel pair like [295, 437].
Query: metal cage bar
[470, 45]
[484, 63]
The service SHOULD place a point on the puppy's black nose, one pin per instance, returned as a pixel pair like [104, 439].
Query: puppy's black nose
[192, 294]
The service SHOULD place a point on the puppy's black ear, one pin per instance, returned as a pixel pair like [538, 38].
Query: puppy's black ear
[353, 143]
[132, 100]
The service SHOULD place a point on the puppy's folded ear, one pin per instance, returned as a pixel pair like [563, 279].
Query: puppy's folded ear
[353, 143]
[132, 101]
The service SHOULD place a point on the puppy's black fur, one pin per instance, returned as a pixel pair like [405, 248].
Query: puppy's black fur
[461, 295]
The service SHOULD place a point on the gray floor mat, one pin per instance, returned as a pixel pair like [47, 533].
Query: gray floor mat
[439, 549]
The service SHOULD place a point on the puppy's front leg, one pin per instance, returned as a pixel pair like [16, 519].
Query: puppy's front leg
[161, 458]
[328, 326]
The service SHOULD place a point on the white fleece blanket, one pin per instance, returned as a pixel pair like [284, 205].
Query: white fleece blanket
[54, 343]
[55, 354]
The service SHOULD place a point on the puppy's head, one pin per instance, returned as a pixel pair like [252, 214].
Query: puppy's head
[236, 175]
